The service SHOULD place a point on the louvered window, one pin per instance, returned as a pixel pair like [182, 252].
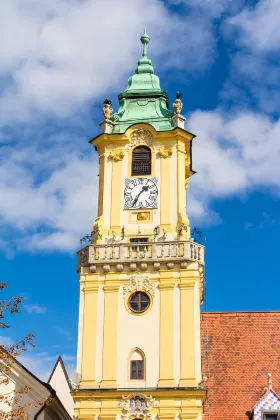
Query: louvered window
[141, 161]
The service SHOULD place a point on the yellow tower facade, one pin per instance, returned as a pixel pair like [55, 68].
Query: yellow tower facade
[141, 278]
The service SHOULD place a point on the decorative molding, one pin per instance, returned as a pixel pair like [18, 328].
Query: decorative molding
[139, 282]
[137, 406]
[165, 153]
[119, 267]
[170, 265]
[141, 136]
[133, 267]
[116, 156]
[157, 265]
[201, 283]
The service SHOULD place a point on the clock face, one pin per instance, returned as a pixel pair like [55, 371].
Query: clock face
[140, 193]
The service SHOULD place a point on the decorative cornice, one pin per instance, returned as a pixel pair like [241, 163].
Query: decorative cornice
[189, 285]
[111, 289]
[91, 289]
[166, 286]
[139, 282]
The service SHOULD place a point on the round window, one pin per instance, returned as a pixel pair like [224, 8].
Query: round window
[139, 302]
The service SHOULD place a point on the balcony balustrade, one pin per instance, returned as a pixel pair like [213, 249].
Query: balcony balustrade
[154, 251]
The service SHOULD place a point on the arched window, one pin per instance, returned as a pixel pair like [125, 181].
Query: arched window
[137, 365]
[141, 161]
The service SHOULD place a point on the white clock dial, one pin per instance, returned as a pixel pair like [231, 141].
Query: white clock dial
[140, 193]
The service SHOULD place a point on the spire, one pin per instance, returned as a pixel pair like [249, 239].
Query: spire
[144, 64]
[143, 100]
[145, 41]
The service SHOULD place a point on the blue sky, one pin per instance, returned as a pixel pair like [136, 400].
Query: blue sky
[58, 61]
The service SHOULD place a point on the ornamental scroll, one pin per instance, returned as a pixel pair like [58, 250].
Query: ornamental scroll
[141, 136]
[139, 283]
[137, 406]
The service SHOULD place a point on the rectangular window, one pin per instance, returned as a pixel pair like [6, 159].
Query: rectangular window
[271, 416]
[136, 369]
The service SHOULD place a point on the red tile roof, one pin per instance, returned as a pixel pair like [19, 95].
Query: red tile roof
[239, 349]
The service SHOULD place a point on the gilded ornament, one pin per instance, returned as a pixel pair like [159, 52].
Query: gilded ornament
[139, 283]
[116, 156]
[142, 216]
[165, 153]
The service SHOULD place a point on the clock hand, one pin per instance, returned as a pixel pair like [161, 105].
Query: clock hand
[136, 198]
[145, 188]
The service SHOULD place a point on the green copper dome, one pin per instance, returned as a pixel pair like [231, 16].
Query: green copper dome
[143, 100]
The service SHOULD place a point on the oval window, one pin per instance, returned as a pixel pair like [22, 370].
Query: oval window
[139, 302]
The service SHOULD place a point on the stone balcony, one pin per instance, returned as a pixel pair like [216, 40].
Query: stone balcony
[136, 257]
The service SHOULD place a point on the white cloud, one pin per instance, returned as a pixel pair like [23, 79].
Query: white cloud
[259, 26]
[56, 56]
[233, 154]
[254, 76]
[34, 308]
[54, 213]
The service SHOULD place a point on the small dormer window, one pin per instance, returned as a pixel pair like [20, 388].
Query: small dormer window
[141, 161]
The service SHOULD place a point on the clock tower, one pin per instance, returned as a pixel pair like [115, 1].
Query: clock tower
[141, 277]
